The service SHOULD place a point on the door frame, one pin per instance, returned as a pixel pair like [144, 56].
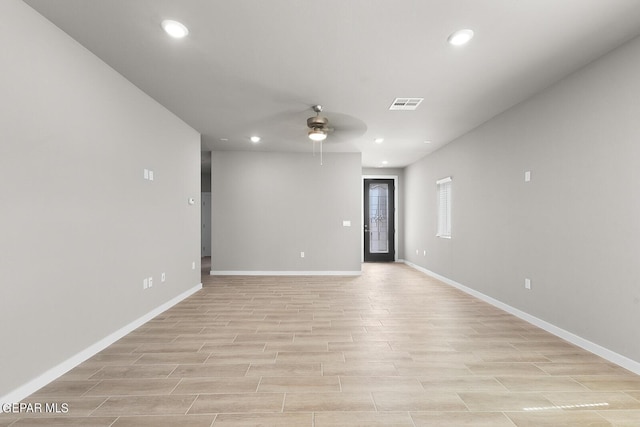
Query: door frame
[205, 241]
[395, 217]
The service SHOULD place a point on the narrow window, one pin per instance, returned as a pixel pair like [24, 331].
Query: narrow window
[444, 207]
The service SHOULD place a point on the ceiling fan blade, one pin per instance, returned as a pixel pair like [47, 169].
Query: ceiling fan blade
[343, 127]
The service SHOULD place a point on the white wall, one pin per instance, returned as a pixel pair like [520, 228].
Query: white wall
[80, 226]
[574, 230]
[269, 207]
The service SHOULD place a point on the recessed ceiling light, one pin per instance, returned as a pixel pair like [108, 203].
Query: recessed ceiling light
[427, 142]
[174, 28]
[378, 140]
[384, 162]
[255, 139]
[460, 37]
[224, 139]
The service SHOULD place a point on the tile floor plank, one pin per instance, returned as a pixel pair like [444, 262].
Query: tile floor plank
[460, 419]
[145, 405]
[237, 403]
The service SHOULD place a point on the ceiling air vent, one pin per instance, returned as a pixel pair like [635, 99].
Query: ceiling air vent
[405, 104]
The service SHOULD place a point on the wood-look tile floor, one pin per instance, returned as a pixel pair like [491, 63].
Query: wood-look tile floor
[392, 347]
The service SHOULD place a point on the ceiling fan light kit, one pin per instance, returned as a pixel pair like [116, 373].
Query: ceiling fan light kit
[317, 135]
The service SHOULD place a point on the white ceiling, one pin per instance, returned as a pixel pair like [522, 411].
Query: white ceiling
[257, 66]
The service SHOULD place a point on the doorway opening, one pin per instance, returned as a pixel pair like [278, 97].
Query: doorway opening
[205, 229]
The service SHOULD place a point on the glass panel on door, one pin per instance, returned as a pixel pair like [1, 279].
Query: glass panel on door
[379, 218]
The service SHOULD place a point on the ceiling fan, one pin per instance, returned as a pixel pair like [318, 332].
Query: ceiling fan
[318, 128]
[334, 127]
[318, 125]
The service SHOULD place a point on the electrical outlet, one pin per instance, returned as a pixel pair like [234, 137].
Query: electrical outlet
[527, 176]
[527, 284]
[163, 277]
[193, 265]
[301, 254]
[150, 281]
[424, 253]
[145, 283]
[417, 252]
[146, 174]
[150, 175]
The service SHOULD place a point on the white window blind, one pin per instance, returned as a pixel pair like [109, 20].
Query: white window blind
[443, 187]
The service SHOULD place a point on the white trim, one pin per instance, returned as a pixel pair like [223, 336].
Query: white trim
[395, 216]
[283, 273]
[37, 383]
[591, 347]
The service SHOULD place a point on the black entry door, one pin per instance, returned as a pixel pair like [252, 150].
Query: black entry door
[379, 212]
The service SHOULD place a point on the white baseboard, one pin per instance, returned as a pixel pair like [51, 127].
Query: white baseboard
[283, 273]
[594, 348]
[34, 385]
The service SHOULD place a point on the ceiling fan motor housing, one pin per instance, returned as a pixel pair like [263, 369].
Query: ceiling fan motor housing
[317, 122]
